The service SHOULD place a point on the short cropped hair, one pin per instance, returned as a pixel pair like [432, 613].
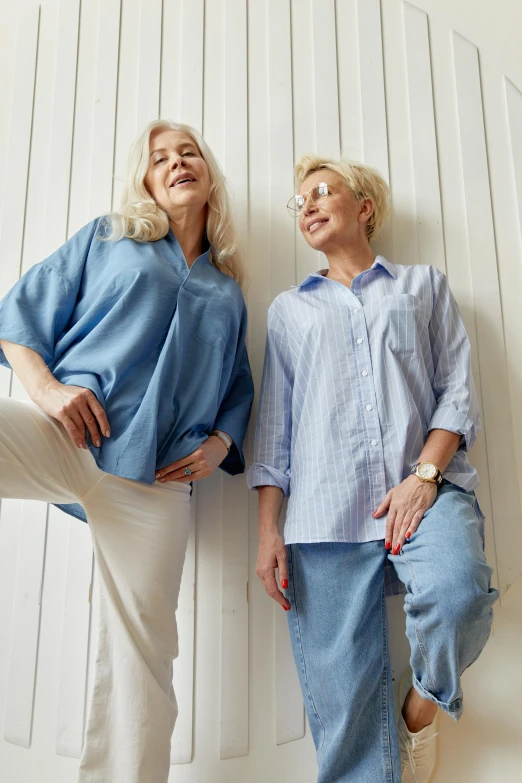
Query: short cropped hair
[362, 181]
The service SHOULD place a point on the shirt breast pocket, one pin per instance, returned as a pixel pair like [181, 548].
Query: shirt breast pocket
[404, 321]
[215, 323]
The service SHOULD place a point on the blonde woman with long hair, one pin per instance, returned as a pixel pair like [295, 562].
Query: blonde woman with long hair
[130, 341]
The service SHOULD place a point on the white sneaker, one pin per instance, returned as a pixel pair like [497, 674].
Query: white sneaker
[418, 751]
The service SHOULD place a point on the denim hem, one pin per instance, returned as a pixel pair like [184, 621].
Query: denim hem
[454, 709]
[294, 616]
[386, 695]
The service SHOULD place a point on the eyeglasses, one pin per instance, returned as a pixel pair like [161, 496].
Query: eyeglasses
[318, 195]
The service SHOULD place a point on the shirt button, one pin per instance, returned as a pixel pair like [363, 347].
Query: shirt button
[374, 442]
[364, 373]
[356, 310]
[368, 407]
[359, 340]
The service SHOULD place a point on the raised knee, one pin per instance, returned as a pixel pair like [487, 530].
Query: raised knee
[468, 597]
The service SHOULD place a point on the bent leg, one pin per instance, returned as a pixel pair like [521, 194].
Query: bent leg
[338, 630]
[449, 600]
[38, 460]
[140, 534]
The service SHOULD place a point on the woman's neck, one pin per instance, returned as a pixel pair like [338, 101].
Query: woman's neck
[345, 263]
[189, 231]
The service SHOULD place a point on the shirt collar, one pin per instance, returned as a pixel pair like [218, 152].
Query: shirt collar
[176, 247]
[380, 261]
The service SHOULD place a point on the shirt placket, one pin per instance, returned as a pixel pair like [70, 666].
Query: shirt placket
[367, 398]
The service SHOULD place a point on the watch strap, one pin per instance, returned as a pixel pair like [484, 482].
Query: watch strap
[224, 438]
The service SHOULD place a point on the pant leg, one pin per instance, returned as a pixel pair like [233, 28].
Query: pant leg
[140, 534]
[338, 630]
[38, 461]
[449, 597]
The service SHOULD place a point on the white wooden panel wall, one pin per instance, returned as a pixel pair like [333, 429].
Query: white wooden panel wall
[394, 84]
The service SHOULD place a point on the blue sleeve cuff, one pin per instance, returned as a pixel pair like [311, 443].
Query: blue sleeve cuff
[450, 419]
[266, 476]
[22, 337]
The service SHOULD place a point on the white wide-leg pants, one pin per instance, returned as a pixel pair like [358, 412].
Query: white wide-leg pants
[139, 533]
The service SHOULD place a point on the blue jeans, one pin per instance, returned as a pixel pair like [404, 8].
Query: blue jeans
[338, 629]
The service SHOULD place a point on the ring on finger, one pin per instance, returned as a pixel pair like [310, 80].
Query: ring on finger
[188, 471]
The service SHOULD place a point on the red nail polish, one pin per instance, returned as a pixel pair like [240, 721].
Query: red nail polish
[284, 583]
[388, 544]
[408, 534]
[286, 608]
[396, 549]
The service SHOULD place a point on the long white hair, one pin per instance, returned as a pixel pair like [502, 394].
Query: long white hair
[141, 219]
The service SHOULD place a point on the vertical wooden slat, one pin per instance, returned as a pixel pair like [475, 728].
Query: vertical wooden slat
[423, 138]
[60, 151]
[326, 89]
[371, 69]
[373, 99]
[234, 584]
[301, 89]
[514, 107]
[183, 676]
[191, 60]
[27, 602]
[149, 61]
[106, 85]
[17, 172]
[75, 641]
[510, 305]
[24, 645]
[171, 64]
[282, 227]
[348, 78]
[289, 710]
[491, 348]
[101, 30]
[7, 44]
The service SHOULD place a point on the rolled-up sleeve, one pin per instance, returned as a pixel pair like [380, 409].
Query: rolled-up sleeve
[35, 312]
[457, 404]
[271, 465]
[234, 411]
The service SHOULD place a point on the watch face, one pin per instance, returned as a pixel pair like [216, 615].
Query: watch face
[427, 470]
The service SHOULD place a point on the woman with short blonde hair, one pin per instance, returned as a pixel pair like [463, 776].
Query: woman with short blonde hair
[130, 341]
[366, 413]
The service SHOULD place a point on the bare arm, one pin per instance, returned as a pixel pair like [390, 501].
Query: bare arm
[271, 551]
[74, 406]
[29, 367]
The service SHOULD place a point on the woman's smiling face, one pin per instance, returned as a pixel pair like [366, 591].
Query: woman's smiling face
[339, 220]
[177, 177]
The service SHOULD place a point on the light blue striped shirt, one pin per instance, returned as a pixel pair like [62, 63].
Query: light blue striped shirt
[354, 379]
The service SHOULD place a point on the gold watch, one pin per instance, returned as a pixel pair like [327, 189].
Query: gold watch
[428, 473]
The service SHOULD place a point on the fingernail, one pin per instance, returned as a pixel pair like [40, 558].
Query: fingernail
[161, 479]
[286, 608]
[408, 534]
[97, 444]
[107, 433]
[284, 583]
[388, 545]
[396, 549]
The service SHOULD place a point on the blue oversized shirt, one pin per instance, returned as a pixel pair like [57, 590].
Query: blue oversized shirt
[161, 346]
